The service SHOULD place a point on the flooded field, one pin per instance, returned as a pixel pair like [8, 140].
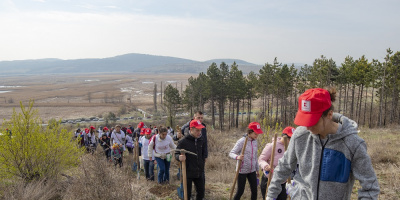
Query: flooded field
[82, 95]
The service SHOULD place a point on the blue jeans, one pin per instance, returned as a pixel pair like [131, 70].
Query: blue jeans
[149, 169]
[163, 172]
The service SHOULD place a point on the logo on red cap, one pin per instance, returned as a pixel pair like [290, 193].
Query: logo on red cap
[147, 131]
[312, 103]
[256, 127]
[306, 105]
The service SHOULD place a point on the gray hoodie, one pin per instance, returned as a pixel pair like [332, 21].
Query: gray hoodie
[327, 171]
[250, 161]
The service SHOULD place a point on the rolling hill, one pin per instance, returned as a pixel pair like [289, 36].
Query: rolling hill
[123, 63]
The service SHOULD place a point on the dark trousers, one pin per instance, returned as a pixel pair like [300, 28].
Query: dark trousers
[149, 169]
[199, 184]
[107, 152]
[263, 186]
[252, 178]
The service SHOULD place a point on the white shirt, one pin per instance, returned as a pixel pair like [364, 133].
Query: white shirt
[130, 140]
[170, 132]
[91, 137]
[162, 146]
[118, 138]
[100, 133]
[145, 148]
[77, 134]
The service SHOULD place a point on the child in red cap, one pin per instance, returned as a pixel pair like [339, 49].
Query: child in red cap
[265, 159]
[249, 168]
[147, 163]
[330, 154]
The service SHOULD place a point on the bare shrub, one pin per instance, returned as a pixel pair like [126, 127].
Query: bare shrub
[38, 189]
[98, 179]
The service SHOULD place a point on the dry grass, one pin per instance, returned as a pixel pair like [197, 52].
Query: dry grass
[97, 179]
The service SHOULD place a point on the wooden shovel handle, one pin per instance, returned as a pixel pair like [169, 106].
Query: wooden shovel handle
[184, 178]
[238, 169]
[285, 142]
[271, 164]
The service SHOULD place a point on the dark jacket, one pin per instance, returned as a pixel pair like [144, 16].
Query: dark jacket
[107, 142]
[194, 164]
[184, 131]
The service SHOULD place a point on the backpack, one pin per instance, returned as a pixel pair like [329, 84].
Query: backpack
[153, 138]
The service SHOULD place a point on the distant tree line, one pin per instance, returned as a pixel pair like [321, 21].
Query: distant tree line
[368, 91]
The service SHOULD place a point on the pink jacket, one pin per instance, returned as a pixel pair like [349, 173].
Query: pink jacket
[265, 156]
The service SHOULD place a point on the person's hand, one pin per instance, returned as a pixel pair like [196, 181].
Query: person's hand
[155, 162]
[267, 168]
[257, 173]
[182, 157]
[240, 157]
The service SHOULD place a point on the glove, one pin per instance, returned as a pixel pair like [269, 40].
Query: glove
[104, 143]
[291, 188]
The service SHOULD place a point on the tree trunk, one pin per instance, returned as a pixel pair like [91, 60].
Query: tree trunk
[360, 94]
[242, 109]
[277, 110]
[370, 109]
[352, 102]
[229, 115]
[212, 112]
[384, 119]
[365, 104]
[237, 113]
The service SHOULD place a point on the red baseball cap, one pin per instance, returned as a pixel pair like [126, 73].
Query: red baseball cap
[288, 131]
[312, 103]
[105, 129]
[196, 124]
[140, 125]
[147, 131]
[142, 131]
[129, 131]
[92, 127]
[256, 127]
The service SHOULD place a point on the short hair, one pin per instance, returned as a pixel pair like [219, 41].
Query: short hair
[117, 126]
[163, 129]
[198, 112]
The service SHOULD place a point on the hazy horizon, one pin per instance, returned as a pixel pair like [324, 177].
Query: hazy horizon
[256, 31]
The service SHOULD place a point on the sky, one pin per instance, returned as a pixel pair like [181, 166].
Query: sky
[257, 31]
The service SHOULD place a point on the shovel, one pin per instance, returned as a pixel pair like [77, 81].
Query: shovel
[183, 172]
[137, 158]
[180, 189]
[135, 164]
[271, 171]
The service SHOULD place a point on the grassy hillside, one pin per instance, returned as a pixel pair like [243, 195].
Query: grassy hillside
[97, 179]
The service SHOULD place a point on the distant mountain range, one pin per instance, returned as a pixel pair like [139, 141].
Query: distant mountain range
[124, 63]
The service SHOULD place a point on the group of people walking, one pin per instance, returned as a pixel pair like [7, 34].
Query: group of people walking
[323, 158]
